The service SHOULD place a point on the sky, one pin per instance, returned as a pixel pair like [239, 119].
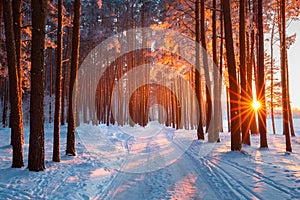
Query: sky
[294, 65]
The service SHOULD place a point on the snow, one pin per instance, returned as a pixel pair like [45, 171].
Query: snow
[154, 162]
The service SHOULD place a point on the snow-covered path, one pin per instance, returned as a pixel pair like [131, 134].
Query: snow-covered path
[181, 179]
[216, 174]
[208, 177]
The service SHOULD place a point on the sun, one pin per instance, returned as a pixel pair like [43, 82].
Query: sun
[256, 105]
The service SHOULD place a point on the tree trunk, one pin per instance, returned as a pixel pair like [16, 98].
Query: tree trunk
[56, 136]
[17, 18]
[50, 64]
[251, 70]
[216, 92]
[4, 94]
[286, 131]
[1, 14]
[228, 109]
[221, 66]
[261, 79]
[71, 149]
[245, 103]
[200, 132]
[63, 88]
[291, 123]
[272, 76]
[14, 89]
[5, 103]
[65, 66]
[36, 140]
[205, 65]
[234, 111]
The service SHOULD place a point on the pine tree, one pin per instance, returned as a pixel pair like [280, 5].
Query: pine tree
[200, 132]
[71, 149]
[234, 110]
[262, 118]
[205, 64]
[286, 131]
[58, 92]
[245, 104]
[36, 139]
[14, 89]
[17, 20]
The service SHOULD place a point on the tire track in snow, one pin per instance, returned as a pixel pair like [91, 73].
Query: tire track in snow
[262, 178]
[212, 163]
[218, 183]
[236, 186]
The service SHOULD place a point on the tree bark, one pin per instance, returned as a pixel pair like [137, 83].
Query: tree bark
[272, 76]
[251, 70]
[200, 132]
[71, 149]
[245, 103]
[214, 136]
[14, 89]
[221, 66]
[262, 112]
[234, 97]
[5, 103]
[65, 66]
[205, 65]
[286, 131]
[36, 140]
[1, 14]
[17, 18]
[56, 136]
[291, 123]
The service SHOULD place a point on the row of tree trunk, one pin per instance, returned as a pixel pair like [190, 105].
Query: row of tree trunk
[13, 24]
[240, 84]
[241, 95]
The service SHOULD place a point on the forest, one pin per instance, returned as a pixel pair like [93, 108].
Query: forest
[201, 68]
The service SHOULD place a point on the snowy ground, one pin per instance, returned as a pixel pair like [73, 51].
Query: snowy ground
[153, 163]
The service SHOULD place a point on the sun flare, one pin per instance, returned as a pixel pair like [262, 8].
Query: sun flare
[256, 105]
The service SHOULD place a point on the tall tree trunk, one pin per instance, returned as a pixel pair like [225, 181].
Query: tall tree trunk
[205, 65]
[71, 149]
[272, 76]
[251, 71]
[286, 131]
[65, 66]
[245, 104]
[56, 136]
[234, 111]
[220, 68]
[217, 92]
[228, 109]
[63, 88]
[261, 78]
[17, 18]
[291, 123]
[200, 132]
[14, 89]
[36, 140]
[50, 64]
